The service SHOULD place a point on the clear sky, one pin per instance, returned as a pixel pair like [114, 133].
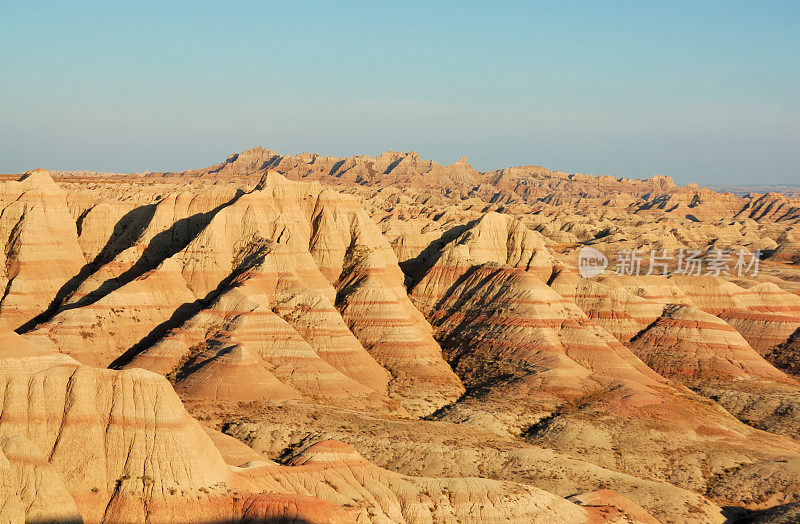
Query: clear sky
[705, 91]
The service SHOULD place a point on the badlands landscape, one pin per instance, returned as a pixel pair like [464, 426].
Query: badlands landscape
[385, 339]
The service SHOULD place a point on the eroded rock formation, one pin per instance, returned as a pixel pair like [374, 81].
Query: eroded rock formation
[388, 339]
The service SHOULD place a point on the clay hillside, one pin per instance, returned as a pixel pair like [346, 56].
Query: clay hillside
[385, 339]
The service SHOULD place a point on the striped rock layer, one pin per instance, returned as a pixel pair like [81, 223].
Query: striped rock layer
[428, 292]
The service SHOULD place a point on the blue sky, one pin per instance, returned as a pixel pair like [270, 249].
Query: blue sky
[701, 91]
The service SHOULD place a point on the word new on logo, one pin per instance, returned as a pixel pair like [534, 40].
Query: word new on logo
[591, 262]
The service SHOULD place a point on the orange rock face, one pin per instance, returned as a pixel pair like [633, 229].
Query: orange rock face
[388, 339]
[41, 251]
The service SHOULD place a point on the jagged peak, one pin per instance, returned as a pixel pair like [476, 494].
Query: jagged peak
[270, 179]
[667, 180]
[38, 177]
